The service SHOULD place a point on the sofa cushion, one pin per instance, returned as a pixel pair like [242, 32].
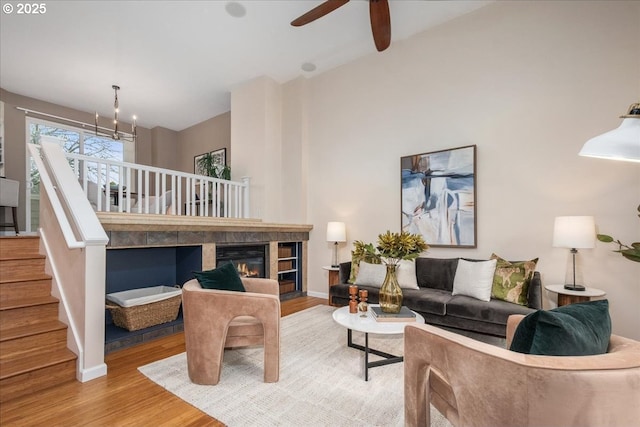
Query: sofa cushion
[436, 273]
[425, 300]
[579, 329]
[495, 311]
[224, 278]
[474, 279]
[511, 280]
[341, 291]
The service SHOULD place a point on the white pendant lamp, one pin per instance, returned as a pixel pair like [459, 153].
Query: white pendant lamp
[622, 143]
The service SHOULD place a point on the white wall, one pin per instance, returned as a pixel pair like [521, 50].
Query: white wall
[256, 138]
[528, 83]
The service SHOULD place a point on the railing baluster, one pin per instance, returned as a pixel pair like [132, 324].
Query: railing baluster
[216, 197]
[146, 192]
[127, 181]
[139, 187]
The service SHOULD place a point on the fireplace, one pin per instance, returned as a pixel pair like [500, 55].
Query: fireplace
[249, 260]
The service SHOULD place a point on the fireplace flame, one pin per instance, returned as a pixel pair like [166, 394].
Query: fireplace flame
[246, 271]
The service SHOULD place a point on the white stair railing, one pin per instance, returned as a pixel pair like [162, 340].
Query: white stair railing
[113, 186]
[75, 245]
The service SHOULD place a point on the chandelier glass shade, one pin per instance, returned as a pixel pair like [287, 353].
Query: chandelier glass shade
[116, 133]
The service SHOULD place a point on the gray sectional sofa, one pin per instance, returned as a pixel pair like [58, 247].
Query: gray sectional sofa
[435, 302]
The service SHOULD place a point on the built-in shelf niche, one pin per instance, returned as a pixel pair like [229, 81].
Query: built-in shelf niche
[144, 267]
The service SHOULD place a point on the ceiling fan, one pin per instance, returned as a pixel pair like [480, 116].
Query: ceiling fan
[378, 13]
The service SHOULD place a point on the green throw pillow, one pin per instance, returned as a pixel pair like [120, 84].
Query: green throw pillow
[580, 329]
[225, 278]
[511, 280]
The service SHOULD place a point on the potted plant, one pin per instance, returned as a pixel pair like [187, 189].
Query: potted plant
[629, 252]
[208, 165]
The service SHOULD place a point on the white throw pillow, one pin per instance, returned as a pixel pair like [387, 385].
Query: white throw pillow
[474, 279]
[406, 273]
[374, 274]
[371, 274]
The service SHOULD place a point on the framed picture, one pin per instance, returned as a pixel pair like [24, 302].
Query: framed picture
[203, 162]
[438, 196]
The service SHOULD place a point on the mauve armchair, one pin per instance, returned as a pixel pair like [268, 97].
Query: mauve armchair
[476, 384]
[216, 319]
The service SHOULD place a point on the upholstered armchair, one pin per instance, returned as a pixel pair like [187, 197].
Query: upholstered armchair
[476, 384]
[216, 319]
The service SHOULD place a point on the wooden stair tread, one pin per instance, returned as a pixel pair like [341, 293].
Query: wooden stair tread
[32, 339]
[22, 365]
[36, 276]
[19, 256]
[31, 329]
[27, 302]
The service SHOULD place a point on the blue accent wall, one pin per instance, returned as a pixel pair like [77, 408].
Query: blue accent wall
[145, 267]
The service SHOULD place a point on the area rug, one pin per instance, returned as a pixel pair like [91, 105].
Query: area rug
[321, 380]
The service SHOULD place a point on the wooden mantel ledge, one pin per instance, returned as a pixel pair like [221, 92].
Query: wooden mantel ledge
[113, 221]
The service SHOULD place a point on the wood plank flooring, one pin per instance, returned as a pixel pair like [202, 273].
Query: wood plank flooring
[124, 397]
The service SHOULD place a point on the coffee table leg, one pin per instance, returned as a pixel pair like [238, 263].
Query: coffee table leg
[388, 358]
[366, 356]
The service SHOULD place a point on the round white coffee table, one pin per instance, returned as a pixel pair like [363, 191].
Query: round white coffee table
[365, 322]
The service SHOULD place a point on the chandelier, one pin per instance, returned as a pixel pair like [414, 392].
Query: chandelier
[115, 133]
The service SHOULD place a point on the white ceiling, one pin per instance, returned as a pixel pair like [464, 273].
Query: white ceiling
[176, 61]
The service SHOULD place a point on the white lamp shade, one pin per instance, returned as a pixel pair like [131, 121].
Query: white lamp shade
[622, 143]
[336, 232]
[577, 232]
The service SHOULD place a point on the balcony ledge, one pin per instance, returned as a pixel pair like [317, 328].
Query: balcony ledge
[112, 221]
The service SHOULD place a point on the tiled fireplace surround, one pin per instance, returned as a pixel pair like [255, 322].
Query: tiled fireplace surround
[130, 231]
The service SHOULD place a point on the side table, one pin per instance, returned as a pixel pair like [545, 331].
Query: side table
[567, 296]
[334, 279]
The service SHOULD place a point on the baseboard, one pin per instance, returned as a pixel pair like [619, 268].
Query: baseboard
[92, 373]
[318, 294]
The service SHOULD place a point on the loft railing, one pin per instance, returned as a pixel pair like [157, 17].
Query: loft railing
[113, 186]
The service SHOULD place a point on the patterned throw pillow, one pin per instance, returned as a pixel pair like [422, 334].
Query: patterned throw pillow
[511, 280]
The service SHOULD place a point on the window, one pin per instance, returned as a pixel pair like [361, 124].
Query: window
[74, 140]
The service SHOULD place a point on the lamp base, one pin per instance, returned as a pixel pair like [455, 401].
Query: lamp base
[574, 287]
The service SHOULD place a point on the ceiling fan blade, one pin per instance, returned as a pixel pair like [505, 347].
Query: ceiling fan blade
[318, 12]
[380, 23]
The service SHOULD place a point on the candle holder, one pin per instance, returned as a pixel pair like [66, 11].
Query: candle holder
[353, 302]
[363, 305]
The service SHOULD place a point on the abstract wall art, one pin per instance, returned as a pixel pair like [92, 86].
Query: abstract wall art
[438, 198]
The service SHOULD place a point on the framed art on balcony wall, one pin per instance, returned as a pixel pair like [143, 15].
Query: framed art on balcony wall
[204, 163]
[438, 196]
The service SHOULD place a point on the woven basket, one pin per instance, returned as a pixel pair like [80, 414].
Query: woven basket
[143, 316]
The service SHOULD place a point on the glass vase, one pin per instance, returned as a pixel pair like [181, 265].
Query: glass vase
[390, 296]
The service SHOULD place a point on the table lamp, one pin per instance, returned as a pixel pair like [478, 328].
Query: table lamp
[574, 232]
[336, 232]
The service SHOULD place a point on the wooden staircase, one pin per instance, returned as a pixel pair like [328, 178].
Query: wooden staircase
[33, 342]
